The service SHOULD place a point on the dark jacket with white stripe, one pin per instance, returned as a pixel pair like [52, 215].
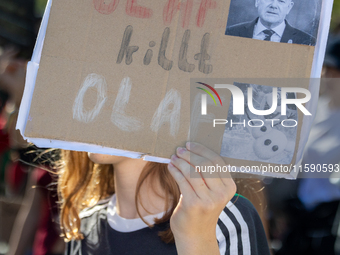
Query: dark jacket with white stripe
[239, 232]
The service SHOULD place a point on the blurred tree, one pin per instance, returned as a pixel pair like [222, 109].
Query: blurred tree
[335, 14]
[19, 24]
[40, 7]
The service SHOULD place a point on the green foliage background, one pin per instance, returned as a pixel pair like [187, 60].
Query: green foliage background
[336, 13]
[40, 7]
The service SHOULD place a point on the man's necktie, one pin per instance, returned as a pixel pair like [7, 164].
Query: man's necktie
[268, 33]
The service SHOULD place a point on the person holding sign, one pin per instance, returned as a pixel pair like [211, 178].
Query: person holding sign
[118, 205]
[271, 24]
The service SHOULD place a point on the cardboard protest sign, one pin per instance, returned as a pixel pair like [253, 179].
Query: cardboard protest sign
[114, 76]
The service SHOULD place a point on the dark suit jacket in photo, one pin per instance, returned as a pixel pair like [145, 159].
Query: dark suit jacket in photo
[290, 33]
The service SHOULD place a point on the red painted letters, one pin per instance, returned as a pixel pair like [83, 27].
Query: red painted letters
[170, 9]
[173, 6]
[134, 10]
[202, 12]
[105, 8]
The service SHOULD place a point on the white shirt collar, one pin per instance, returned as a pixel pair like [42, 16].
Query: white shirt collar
[121, 224]
[259, 27]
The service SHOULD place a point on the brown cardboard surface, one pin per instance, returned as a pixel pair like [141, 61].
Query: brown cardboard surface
[80, 41]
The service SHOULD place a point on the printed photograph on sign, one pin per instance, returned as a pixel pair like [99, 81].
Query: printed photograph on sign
[286, 21]
[265, 138]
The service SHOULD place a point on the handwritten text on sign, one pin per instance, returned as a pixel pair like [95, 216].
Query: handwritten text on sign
[170, 8]
[164, 113]
[169, 11]
[172, 100]
[126, 51]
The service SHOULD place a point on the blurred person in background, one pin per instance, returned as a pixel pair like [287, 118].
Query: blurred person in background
[12, 72]
[19, 23]
[39, 210]
[312, 215]
[36, 221]
[38, 218]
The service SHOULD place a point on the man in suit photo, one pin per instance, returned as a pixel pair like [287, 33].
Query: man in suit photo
[271, 24]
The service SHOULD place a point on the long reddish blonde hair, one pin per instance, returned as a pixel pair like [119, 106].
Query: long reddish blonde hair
[82, 184]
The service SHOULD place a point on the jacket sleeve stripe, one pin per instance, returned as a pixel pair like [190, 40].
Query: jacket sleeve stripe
[232, 232]
[244, 227]
[222, 234]
[238, 229]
